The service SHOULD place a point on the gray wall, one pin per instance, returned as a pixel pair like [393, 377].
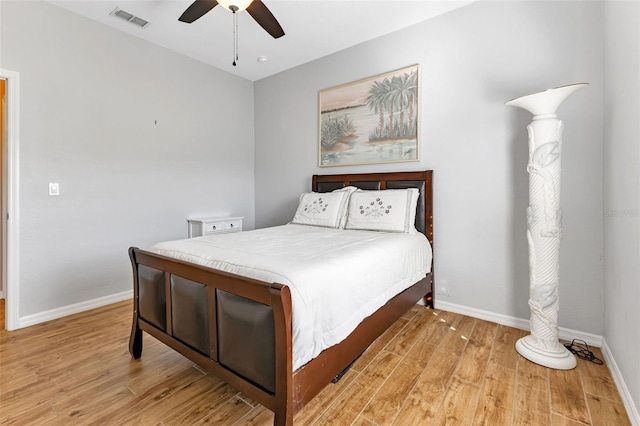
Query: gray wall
[472, 61]
[622, 189]
[90, 97]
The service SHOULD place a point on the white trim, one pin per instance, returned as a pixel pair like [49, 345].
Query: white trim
[12, 270]
[632, 410]
[74, 309]
[522, 324]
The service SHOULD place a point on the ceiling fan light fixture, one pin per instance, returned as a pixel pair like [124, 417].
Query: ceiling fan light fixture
[238, 5]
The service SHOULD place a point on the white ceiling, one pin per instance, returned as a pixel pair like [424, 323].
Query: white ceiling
[313, 28]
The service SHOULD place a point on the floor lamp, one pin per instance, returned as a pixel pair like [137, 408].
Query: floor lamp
[544, 227]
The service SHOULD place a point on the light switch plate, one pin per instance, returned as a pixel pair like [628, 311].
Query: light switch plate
[54, 188]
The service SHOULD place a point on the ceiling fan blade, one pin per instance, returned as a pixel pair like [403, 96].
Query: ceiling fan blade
[265, 18]
[196, 10]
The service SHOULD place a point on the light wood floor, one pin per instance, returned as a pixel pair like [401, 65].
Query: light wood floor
[430, 367]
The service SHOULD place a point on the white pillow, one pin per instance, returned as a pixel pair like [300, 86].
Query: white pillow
[321, 209]
[349, 190]
[391, 210]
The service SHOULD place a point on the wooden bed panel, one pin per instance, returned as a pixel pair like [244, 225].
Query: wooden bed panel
[238, 316]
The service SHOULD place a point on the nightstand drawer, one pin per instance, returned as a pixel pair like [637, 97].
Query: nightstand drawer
[233, 225]
[214, 225]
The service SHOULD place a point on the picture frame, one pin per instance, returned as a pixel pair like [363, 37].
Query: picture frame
[370, 121]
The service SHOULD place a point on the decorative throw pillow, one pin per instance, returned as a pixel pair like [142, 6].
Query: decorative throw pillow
[391, 210]
[321, 209]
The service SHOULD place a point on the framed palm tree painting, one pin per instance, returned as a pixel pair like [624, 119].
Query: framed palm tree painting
[374, 120]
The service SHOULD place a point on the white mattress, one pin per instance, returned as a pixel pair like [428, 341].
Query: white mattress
[337, 277]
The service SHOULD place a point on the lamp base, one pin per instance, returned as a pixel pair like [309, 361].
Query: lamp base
[535, 350]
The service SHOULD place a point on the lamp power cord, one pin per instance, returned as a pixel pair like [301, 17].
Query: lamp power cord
[580, 349]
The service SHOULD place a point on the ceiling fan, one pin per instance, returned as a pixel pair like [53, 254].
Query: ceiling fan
[258, 11]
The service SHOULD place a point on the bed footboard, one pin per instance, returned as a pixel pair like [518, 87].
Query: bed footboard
[200, 312]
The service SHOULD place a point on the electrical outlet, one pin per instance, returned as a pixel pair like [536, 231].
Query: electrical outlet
[444, 292]
[443, 289]
[54, 188]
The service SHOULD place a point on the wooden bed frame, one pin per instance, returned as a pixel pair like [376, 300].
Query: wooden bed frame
[157, 303]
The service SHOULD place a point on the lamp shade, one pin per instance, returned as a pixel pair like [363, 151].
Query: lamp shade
[547, 102]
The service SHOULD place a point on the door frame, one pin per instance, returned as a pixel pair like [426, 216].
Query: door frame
[10, 205]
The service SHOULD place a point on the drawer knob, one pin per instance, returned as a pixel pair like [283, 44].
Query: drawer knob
[214, 227]
[231, 226]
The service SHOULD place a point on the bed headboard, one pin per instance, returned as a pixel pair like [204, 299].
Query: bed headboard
[394, 180]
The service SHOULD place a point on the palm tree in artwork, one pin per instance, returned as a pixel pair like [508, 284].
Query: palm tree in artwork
[404, 93]
[397, 94]
[390, 101]
[413, 100]
[376, 102]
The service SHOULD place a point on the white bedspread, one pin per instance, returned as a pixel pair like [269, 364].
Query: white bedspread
[337, 277]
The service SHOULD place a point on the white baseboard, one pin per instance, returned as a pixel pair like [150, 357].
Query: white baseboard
[629, 405]
[41, 317]
[522, 324]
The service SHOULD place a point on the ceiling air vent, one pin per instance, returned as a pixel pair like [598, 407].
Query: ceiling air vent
[129, 17]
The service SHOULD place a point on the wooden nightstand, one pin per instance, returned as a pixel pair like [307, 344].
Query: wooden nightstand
[201, 226]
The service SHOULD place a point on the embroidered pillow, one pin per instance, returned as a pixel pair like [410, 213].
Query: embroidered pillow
[391, 210]
[321, 209]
